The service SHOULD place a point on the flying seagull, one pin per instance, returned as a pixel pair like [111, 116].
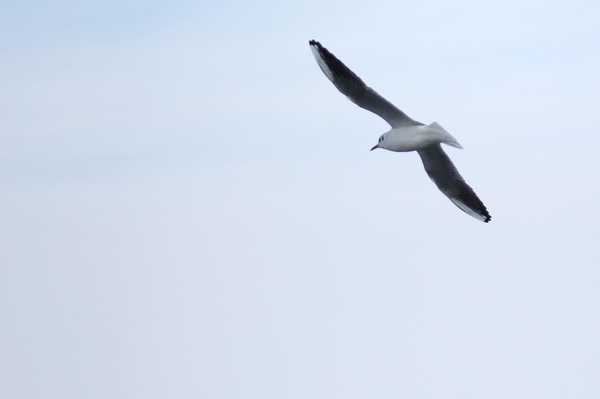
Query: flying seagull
[406, 134]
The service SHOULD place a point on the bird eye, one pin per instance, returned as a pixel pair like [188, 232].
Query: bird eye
[380, 139]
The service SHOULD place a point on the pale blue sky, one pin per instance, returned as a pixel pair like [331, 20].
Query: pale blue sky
[190, 208]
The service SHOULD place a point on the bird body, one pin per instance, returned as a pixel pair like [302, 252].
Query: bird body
[405, 134]
[415, 137]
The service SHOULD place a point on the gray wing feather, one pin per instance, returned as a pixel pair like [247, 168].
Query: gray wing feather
[356, 90]
[444, 174]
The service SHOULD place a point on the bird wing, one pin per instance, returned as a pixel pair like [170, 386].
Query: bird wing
[444, 174]
[356, 90]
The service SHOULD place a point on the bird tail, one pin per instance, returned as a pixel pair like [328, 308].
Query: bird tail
[448, 139]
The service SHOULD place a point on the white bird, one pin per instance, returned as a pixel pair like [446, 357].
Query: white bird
[406, 134]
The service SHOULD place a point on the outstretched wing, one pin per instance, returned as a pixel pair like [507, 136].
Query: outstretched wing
[356, 90]
[444, 174]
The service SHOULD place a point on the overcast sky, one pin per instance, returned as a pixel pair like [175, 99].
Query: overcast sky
[189, 208]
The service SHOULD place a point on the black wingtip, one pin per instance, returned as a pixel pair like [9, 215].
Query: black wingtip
[467, 198]
[484, 212]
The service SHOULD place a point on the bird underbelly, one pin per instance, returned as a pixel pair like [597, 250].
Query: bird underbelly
[409, 140]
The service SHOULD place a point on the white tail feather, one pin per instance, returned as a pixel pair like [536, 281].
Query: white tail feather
[436, 125]
[450, 140]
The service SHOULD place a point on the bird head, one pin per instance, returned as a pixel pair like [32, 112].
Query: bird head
[380, 144]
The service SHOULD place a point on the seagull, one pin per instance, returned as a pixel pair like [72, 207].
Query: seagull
[406, 134]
